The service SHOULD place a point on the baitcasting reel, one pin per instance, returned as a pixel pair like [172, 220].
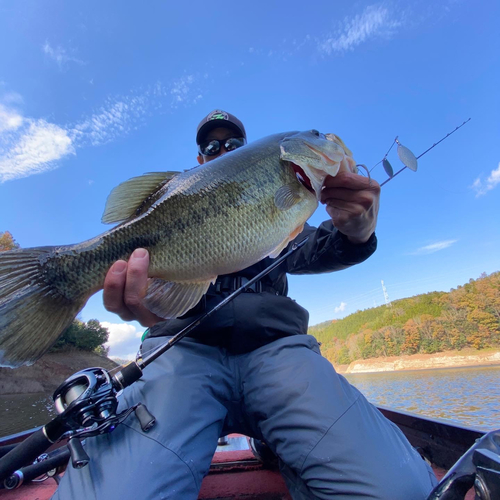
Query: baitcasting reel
[86, 398]
[87, 403]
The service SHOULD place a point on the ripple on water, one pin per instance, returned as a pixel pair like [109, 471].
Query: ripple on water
[19, 412]
[469, 396]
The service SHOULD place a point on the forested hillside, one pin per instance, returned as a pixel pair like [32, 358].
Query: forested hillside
[468, 316]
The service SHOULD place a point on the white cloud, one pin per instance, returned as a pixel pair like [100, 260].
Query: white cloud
[181, 87]
[374, 21]
[124, 339]
[32, 147]
[10, 119]
[27, 145]
[116, 118]
[434, 247]
[120, 115]
[340, 308]
[127, 357]
[59, 55]
[120, 332]
[491, 182]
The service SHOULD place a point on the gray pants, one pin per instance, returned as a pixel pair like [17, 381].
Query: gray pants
[331, 442]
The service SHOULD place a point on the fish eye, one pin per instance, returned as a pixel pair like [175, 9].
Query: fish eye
[315, 132]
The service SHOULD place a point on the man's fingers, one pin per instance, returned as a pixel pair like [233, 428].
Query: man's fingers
[137, 278]
[114, 286]
[331, 195]
[125, 286]
[342, 212]
[135, 288]
[349, 180]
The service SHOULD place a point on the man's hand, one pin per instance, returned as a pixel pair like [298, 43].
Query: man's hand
[125, 287]
[352, 201]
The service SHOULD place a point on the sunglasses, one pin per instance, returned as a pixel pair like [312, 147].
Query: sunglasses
[211, 148]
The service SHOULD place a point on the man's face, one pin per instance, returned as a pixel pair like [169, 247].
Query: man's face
[221, 134]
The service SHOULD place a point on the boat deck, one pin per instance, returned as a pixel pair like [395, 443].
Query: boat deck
[234, 474]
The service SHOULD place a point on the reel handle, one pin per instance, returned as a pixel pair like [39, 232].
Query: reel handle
[79, 457]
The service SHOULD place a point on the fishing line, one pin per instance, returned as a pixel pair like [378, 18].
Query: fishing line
[385, 156]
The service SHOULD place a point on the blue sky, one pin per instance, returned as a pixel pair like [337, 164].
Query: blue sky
[94, 93]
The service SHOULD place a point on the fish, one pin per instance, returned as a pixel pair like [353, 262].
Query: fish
[214, 219]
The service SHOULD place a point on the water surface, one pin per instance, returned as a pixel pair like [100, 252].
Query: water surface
[469, 396]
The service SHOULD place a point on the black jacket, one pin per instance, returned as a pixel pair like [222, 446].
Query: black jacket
[254, 319]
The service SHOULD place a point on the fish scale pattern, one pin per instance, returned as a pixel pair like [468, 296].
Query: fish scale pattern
[212, 220]
[216, 219]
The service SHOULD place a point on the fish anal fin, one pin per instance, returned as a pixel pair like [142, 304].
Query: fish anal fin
[169, 299]
[286, 197]
[296, 232]
[133, 197]
[285, 242]
[279, 248]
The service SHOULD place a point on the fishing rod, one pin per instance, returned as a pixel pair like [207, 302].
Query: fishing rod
[86, 402]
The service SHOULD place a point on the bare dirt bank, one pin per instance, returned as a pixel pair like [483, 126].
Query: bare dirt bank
[49, 372]
[449, 359]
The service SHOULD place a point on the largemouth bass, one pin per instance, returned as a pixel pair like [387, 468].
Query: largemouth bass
[214, 219]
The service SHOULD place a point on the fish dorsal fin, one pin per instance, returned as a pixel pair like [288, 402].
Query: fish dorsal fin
[286, 197]
[169, 299]
[133, 197]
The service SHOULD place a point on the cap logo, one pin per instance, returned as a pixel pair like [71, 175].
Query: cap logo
[217, 115]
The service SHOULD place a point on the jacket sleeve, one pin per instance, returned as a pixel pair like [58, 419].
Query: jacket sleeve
[327, 250]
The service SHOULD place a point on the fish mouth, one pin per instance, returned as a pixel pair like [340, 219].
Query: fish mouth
[312, 173]
[314, 159]
[302, 177]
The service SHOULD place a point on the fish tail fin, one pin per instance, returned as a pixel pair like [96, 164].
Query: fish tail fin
[32, 313]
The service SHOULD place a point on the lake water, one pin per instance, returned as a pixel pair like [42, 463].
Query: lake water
[470, 396]
[19, 412]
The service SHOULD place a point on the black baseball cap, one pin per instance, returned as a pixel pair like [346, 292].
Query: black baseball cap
[219, 118]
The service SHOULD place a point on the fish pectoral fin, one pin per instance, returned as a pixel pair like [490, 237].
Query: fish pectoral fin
[285, 242]
[287, 196]
[169, 299]
[135, 196]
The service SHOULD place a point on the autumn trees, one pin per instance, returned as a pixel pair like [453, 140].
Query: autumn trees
[7, 242]
[468, 316]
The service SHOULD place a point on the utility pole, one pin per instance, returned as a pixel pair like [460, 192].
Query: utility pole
[386, 295]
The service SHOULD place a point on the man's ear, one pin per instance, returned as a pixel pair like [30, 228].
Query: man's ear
[200, 159]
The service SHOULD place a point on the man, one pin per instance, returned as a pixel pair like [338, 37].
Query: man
[252, 369]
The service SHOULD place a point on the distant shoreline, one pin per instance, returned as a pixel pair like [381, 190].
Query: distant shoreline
[48, 372]
[447, 359]
[53, 369]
